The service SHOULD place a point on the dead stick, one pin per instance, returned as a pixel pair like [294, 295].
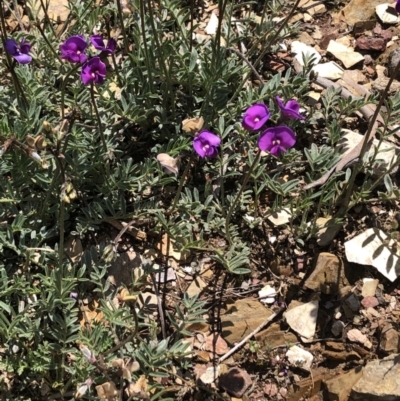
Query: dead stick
[247, 338]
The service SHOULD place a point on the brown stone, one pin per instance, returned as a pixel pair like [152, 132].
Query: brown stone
[339, 387]
[242, 318]
[360, 10]
[235, 382]
[389, 341]
[274, 337]
[371, 43]
[328, 275]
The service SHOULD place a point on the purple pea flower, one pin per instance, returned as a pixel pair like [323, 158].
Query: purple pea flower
[73, 49]
[255, 117]
[94, 71]
[20, 53]
[290, 109]
[277, 140]
[98, 43]
[206, 143]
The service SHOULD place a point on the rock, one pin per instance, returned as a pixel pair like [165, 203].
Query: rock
[165, 276]
[280, 218]
[210, 375]
[313, 7]
[371, 248]
[328, 70]
[303, 319]
[356, 336]
[299, 357]
[215, 343]
[196, 287]
[337, 328]
[394, 59]
[147, 300]
[328, 275]
[369, 302]
[387, 153]
[241, 318]
[274, 337]
[267, 294]
[120, 271]
[356, 76]
[301, 49]
[270, 389]
[347, 56]
[235, 382]
[353, 302]
[381, 82]
[306, 39]
[369, 287]
[360, 10]
[57, 10]
[339, 387]
[387, 14]
[371, 43]
[380, 381]
[389, 340]
[212, 25]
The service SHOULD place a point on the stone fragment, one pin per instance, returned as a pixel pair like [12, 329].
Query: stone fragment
[360, 10]
[328, 275]
[339, 387]
[387, 152]
[387, 14]
[356, 336]
[329, 70]
[353, 302]
[235, 382]
[371, 248]
[196, 287]
[337, 328]
[165, 276]
[389, 340]
[274, 337]
[147, 300]
[369, 302]
[121, 270]
[242, 318]
[394, 59]
[313, 7]
[212, 25]
[270, 389]
[356, 76]
[381, 82]
[301, 49]
[299, 357]
[267, 294]
[303, 319]
[371, 43]
[280, 218]
[57, 10]
[380, 381]
[369, 287]
[346, 55]
[305, 38]
[210, 374]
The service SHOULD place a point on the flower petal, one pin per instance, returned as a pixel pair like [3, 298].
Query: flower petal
[255, 117]
[11, 47]
[198, 146]
[24, 46]
[23, 58]
[285, 135]
[212, 152]
[209, 138]
[98, 42]
[293, 106]
[111, 45]
[281, 105]
[266, 138]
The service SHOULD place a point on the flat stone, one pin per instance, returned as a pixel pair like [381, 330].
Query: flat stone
[196, 287]
[387, 152]
[387, 14]
[371, 248]
[371, 43]
[355, 335]
[301, 49]
[369, 287]
[329, 70]
[235, 382]
[241, 318]
[267, 294]
[394, 59]
[305, 38]
[353, 302]
[369, 302]
[280, 218]
[328, 275]
[346, 55]
[381, 82]
[274, 337]
[57, 10]
[337, 328]
[299, 357]
[380, 381]
[339, 387]
[389, 340]
[360, 10]
[303, 319]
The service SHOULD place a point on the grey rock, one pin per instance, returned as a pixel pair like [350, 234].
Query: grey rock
[394, 59]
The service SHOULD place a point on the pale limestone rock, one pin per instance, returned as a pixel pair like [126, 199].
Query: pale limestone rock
[211, 28]
[369, 287]
[329, 70]
[355, 335]
[346, 55]
[299, 357]
[386, 14]
[300, 48]
[372, 248]
[280, 218]
[267, 294]
[303, 319]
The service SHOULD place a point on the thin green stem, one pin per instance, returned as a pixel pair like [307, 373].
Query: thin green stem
[64, 84]
[239, 194]
[96, 110]
[121, 21]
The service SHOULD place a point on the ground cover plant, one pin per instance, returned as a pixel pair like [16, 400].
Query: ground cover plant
[127, 127]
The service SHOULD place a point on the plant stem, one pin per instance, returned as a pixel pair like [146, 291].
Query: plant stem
[146, 51]
[103, 140]
[121, 21]
[64, 84]
[234, 203]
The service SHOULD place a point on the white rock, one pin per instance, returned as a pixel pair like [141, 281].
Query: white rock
[303, 319]
[267, 294]
[345, 54]
[300, 48]
[279, 218]
[212, 26]
[372, 248]
[385, 16]
[329, 70]
[386, 156]
[356, 336]
[210, 375]
[369, 287]
[299, 357]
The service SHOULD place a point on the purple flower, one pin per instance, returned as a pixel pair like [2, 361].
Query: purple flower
[98, 43]
[398, 6]
[20, 53]
[206, 143]
[73, 49]
[255, 117]
[94, 71]
[277, 140]
[290, 110]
